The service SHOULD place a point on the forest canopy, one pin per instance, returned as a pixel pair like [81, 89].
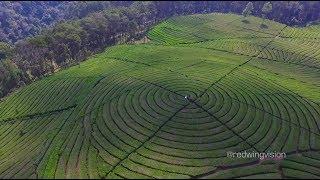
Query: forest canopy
[21, 19]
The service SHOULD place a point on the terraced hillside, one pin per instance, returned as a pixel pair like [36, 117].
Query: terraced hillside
[173, 107]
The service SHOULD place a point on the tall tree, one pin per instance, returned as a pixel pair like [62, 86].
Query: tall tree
[6, 50]
[266, 9]
[247, 11]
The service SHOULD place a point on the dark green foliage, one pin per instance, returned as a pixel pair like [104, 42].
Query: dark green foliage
[106, 23]
[248, 9]
[266, 9]
[22, 19]
[173, 107]
[69, 42]
[263, 26]
[10, 76]
[6, 50]
[245, 21]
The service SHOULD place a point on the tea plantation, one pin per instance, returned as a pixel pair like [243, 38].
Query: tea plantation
[204, 85]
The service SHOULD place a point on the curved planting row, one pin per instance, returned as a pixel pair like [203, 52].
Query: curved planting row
[311, 32]
[301, 73]
[268, 107]
[205, 86]
[43, 96]
[24, 142]
[130, 124]
[302, 165]
[280, 50]
[192, 29]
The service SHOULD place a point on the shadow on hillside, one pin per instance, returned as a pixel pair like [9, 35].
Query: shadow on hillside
[246, 21]
[263, 26]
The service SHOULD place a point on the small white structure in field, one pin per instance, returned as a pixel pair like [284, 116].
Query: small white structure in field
[186, 97]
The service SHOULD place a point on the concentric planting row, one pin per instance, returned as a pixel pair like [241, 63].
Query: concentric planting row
[204, 86]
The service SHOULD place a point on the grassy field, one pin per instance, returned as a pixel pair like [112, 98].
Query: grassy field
[123, 113]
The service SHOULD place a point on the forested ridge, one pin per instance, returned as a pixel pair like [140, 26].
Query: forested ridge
[21, 19]
[69, 32]
[26, 18]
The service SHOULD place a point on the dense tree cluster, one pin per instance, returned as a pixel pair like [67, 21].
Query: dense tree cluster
[80, 9]
[248, 9]
[10, 77]
[89, 27]
[20, 19]
[72, 41]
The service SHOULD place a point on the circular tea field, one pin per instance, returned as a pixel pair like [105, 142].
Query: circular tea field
[202, 87]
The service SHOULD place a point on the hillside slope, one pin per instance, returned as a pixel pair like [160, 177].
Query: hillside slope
[26, 18]
[124, 113]
[72, 31]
